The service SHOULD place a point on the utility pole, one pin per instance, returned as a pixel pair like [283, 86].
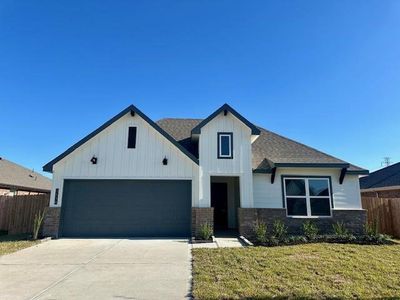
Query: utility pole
[386, 161]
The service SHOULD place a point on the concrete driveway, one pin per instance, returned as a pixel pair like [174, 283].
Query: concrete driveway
[98, 269]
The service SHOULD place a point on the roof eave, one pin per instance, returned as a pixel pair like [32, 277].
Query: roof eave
[24, 188]
[312, 165]
[303, 165]
[358, 172]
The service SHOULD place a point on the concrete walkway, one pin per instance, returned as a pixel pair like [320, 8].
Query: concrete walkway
[98, 269]
[221, 242]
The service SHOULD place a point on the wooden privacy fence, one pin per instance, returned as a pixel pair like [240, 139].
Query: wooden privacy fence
[386, 211]
[18, 212]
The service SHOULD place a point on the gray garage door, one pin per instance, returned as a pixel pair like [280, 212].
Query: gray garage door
[126, 208]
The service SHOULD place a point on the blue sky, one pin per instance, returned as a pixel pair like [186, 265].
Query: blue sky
[325, 73]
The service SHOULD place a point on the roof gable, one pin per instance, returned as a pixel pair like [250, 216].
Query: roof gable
[226, 108]
[130, 109]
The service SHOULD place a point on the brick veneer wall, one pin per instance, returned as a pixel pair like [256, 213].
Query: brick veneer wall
[201, 215]
[353, 219]
[51, 222]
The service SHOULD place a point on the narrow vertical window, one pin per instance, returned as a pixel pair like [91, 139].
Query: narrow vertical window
[132, 137]
[225, 145]
[56, 197]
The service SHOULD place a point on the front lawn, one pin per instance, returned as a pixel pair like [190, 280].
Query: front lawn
[12, 243]
[302, 271]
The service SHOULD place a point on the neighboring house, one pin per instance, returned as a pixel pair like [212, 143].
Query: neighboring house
[384, 183]
[135, 177]
[18, 180]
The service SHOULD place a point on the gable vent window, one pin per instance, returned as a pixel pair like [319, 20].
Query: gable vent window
[225, 145]
[132, 137]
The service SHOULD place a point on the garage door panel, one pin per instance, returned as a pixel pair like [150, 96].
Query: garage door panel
[126, 208]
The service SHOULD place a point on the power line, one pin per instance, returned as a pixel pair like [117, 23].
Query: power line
[386, 161]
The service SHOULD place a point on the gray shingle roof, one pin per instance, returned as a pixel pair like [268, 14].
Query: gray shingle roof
[269, 149]
[13, 175]
[386, 177]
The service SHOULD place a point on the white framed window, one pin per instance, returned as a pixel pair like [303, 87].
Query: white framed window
[307, 196]
[225, 145]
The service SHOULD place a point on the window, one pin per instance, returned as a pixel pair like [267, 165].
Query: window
[56, 196]
[308, 197]
[225, 145]
[132, 137]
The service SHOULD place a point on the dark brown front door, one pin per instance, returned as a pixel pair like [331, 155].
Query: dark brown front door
[219, 200]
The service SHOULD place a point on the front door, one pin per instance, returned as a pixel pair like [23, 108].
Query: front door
[219, 200]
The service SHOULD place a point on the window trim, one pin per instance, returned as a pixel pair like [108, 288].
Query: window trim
[219, 135]
[307, 196]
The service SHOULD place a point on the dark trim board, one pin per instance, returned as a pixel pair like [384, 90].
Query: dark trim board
[312, 165]
[357, 172]
[305, 165]
[130, 109]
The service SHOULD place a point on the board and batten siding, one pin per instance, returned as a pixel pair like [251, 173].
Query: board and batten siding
[345, 196]
[239, 165]
[116, 161]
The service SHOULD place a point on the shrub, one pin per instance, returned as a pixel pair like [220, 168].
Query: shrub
[205, 231]
[295, 239]
[341, 239]
[279, 230]
[371, 228]
[310, 230]
[260, 232]
[37, 222]
[340, 229]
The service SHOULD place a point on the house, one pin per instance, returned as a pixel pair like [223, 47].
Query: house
[18, 180]
[136, 177]
[384, 183]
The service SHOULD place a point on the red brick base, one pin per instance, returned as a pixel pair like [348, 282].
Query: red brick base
[200, 216]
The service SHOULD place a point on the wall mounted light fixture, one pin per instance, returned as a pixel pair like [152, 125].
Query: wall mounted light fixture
[165, 161]
[93, 160]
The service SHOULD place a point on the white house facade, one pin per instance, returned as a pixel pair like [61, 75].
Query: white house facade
[136, 177]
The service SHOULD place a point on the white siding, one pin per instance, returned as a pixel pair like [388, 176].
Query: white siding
[240, 165]
[116, 161]
[345, 196]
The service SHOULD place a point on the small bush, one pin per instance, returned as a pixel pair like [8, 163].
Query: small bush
[279, 230]
[333, 238]
[205, 231]
[372, 235]
[372, 228]
[340, 229]
[378, 239]
[310, 230]
[295, 239]
[37, 222]
[260, 232]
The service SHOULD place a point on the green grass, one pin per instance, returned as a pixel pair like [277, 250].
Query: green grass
[12, 243]
[316, 271]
